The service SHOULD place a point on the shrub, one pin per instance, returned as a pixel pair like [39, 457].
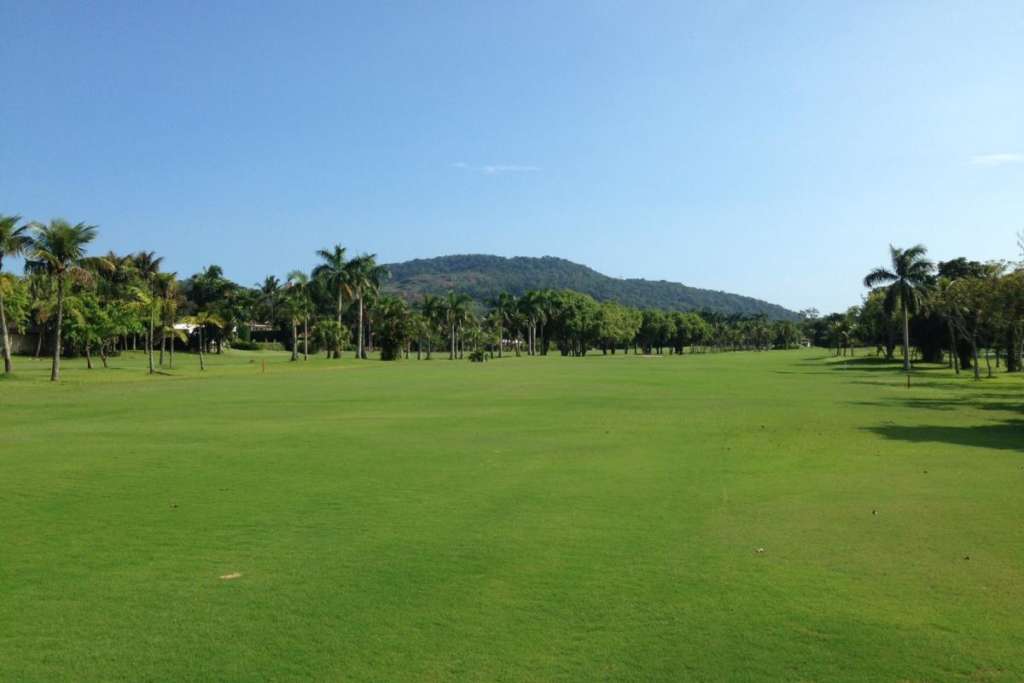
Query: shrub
[477, 356]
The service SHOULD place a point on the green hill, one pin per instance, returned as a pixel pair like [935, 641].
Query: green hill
[484, 277]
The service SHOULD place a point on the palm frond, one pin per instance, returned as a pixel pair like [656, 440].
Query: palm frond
[879, 276]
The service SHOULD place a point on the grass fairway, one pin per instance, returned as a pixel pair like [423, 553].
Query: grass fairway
[531, 518]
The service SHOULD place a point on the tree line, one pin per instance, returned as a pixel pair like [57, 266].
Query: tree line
[102, 305]
[948, 312]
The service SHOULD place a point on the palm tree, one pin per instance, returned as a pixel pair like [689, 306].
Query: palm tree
[201, 320]
[147, 265]
[58, 249]
[333, 274]
[533, 308]
[300, 285]
[166, 288]
[907, 281]
[14, 241]
[364, 278]
[433, 313]
[504, 308]
[174, 334]
[456, 310]
[269, 292]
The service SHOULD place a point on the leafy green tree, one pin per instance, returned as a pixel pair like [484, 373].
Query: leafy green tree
[393, 326]
[942, 302]
[328, 334]
[42, 292]
[906, 282]
[1011, 304]
[574, 322]
[14, 241]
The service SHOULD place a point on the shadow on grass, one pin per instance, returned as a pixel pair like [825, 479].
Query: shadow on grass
[978, 402]
[1006, 436]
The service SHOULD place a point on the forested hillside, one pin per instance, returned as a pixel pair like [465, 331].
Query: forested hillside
[484, 277]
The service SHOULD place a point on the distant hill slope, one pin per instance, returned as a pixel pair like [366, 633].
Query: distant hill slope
[484, 277]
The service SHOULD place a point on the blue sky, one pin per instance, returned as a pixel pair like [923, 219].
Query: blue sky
[770, 149]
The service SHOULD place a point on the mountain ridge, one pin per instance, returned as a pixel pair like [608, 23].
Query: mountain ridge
[484, 276]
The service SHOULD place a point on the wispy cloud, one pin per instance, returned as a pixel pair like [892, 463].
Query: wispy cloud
[998, 159]
[496, 169]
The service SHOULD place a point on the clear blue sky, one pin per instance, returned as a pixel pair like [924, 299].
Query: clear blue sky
[771, 149]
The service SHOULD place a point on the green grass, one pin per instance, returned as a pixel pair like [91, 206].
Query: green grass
[531, 518]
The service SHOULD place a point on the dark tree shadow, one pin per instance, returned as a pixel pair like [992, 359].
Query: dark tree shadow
[1006, 436]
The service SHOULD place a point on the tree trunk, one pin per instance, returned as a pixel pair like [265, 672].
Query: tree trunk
[359, 333]
[295, 340]
[501, 338]
[55, 368]
[906, 338]
[305, 338]
[7, 337]
[202, 361]
[103, 354]
[1012, 349]
[39, 340]
[88, 357]
[974, 352]
[149, 342]
[337, 344]
[451, 354]
[953, 359]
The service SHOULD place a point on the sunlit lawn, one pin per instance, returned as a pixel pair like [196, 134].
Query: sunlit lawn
[743, 516]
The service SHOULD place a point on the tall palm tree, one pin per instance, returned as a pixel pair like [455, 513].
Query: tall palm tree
[202, 320]
[333, 275]
[165, 287]
[532, 307]
[58, 249]
[433, 313]
[907, 281]
[364, 278]
[456, 310]
[504, 305]
[301, 285]
[269, 293]
[14, 241]
[147, 265]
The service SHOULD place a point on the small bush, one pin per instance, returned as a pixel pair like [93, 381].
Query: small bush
[477, 357]
[245, 345]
